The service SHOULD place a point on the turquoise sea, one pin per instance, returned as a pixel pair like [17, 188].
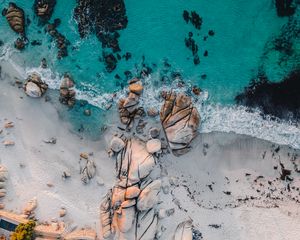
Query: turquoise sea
[244, 31]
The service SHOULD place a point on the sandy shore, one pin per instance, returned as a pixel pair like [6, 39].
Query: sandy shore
[229, 184]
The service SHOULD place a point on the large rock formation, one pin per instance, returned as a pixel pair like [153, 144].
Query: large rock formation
[15, 17]
[128, 210]
[44, 9]
[180, 121]
[34, 86]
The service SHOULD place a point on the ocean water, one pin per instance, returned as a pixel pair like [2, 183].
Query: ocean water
[156, 31]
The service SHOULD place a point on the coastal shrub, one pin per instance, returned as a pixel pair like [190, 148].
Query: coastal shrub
[24, 231]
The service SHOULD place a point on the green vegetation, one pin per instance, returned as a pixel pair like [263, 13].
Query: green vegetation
[24, 231]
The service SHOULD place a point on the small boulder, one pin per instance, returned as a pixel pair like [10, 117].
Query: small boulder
[117, 144]
[153, 145]
[136, 88]
[34, 86]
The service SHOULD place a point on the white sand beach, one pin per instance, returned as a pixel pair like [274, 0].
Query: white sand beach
[229, 185]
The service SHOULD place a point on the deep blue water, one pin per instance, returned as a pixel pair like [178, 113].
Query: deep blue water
[156, 31]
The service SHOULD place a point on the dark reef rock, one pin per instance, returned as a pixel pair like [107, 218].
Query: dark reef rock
[20, 43]
[194, 18]
[104, 18]
[186, 16]
[285, 7]
[44, 9]
[16, 18]
[191, 44]
[281, 99]
[110, 62]
[61, 42]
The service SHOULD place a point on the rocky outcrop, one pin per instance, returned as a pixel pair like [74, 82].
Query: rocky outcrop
[128, 210]
[34, 86]
[180, 121]
[128, 107]
[44, 9]
[16, 19]
[67, 92]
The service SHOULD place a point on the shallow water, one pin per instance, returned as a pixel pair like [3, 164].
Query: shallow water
[156, 30]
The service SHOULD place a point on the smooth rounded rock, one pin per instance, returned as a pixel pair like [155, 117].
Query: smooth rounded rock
[117, 144]
[153, 145]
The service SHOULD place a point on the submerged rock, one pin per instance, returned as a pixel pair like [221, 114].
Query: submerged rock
[180, 121]
[34, 86]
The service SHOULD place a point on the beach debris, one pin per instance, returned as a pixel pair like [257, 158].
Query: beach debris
[9, 125]
[180, 121]
[117, 144]
[8, 143]
[67, 92]
[87, 171]
[62, 212]
[34, 86]
[100, 181]
[87, 112]
[66, 174]
[50, 185]
[184, 231]
[44, 9]
[51, 140]
[84, 155]
[30, 206]
[153, 145]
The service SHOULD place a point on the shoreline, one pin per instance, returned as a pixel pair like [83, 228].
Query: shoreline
[32, 164]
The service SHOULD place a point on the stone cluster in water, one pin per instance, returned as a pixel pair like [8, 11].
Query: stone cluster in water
[104, 18]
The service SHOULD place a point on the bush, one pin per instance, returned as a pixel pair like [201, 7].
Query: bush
[24, 231]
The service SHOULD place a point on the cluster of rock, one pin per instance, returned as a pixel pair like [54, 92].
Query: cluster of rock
[129, 208]
[105, 18]
[16, 19]
[34, 86]
[87, 168]
[3, 178]
[31, 205]
[191, 44]
[61, 41]
[194, 18]
[44, 9]
[67, 92]
[285, 7]
[128, 107]
[180, 121]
